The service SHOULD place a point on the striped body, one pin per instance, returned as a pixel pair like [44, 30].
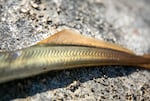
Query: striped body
[41, 58]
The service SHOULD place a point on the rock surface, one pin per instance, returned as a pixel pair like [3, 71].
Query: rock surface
[124, 22]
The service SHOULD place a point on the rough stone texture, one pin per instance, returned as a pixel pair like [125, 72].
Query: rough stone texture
[125, 22]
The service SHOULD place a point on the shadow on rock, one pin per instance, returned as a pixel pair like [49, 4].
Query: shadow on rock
[58, 79]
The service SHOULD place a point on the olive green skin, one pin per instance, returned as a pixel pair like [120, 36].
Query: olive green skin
[42, 58]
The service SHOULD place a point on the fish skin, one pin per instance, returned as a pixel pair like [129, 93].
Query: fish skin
[69, 37]
[38, 59]
[47, 55]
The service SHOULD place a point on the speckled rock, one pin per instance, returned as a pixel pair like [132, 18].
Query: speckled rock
[124, 22]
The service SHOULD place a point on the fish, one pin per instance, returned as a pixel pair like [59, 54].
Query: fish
[65, 50]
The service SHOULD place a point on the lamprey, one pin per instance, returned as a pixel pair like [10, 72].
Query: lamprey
[40, 58]
[51, 54]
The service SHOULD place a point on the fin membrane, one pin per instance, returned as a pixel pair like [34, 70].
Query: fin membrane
[74, 38]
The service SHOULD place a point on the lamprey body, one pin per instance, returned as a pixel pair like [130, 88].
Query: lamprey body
[41, 58]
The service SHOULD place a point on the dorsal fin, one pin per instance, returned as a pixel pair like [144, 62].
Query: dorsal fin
[146, 56]
[75, 38]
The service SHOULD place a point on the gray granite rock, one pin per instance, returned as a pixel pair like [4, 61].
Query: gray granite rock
[124, 22]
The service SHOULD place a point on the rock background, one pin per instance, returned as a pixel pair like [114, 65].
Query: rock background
[124, 22]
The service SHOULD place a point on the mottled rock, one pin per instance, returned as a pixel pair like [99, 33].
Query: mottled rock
[125, 22]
